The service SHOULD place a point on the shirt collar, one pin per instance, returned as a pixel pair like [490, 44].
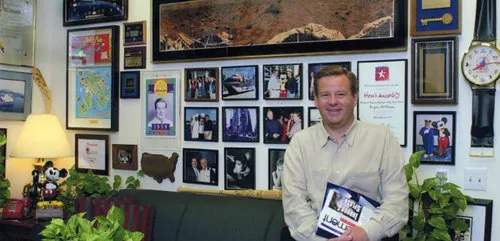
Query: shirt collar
[349, 134]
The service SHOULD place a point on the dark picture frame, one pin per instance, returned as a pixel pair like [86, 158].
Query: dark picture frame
[240, 124]
[209, 176]
[240, 82]
[125, 157]
[3, 151]
[267, 31]
[92, 60]
[479, 213]
[134, 57]
[80, 12]
[192, 121]
[276, 79]
[276, 158]
[314, 116]
[281, 123]
[130, 84]
[201, 84]
[134, 33]
[92, 153]
[314, 68]
[423, 10]
[434, 63]
[16, 95]
[434, 132]
[239, 168]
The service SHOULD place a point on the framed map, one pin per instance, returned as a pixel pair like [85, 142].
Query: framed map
[92, 79]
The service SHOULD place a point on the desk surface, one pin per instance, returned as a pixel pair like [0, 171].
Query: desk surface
[12, 229]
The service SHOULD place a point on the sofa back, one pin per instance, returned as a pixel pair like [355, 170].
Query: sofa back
[188, 216]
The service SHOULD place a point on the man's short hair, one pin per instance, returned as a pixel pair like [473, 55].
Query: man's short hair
[160, 100]
[336, 70]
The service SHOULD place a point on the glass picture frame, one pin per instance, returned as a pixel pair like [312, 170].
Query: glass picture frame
[239, 168]
[201, 124]
[130, 84]
[282, 82]
[200, 166]
[281, 123]
[81, 12]
[240, 124]
[125, 157]
[240, 82]
[478, 215]
[15, 95]
[430, 17]
[92, 153]
[201, 84]
[276, 157]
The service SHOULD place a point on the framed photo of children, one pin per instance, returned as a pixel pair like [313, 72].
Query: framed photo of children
[124, 157]
[240, 124]
[276, 158]
[313, 69]
[478, 216]
[130, 83]
[202, 84]
[240, 82]
[283, 82]
[434, 133]
[200, 166]
[281, 123]
[92, 153]
[239, 168]
[314, 116]
[201, 124]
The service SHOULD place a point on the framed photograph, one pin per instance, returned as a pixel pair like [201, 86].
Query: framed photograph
[382, 95]
[130, 83]
[314, 116]
[15, 95]
[201, 166]
[92, 79]
[134, 33]
[478, 216]
[201, 30]
[79, 12]
[3, 151]
[313, 69]
[435, 17]
[202, 84]
[281, 123]
[283, 82]
[276, 158]
[239, 168]
[240, 124]
[434, 65]
[17, 32]
[434, 132]
[125, 157]
[92, 153]
[240, 82]
[201, 124]
[134, 57]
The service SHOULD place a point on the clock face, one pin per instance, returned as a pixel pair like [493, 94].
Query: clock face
[481, 64]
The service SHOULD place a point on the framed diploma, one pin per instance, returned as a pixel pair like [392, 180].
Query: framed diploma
[134, 33]
[79, 12]
[17, 32]
[92, 153]
[382, 95]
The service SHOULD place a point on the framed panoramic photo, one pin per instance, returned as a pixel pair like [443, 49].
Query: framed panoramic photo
[434, 64]
[3, 150]
[134, 57]
[382, 95]
[15, 95]
[276, 159]
[478, 215]
[314, 68]
[134, 33]
[314, 117]
[240, 82]
[79, 12]
[125, 157]
[281, 123]
[201, 124]
[92, 153]
[17, 32]
[282, 82]
[239, 166]
[433, 17]
[200, 166]
[130, 84]
[201, 84]
[240, 124]
[199, 30]
[92, 78]
[434, 133]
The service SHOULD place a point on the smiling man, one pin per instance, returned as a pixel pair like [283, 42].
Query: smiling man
[363, 157]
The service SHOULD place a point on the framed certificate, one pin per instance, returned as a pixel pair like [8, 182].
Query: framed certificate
[134, 57]
[134, 33]
[92, 153]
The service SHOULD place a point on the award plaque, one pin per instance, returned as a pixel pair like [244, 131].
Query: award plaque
[134, 33]
[134, 58]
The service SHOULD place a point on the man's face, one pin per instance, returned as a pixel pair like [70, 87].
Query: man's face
[194, 163]
[238, 166]
[279, 168]
[276, 73]
[335, 101]
[161, 110]
[270, 115]
[203, 163]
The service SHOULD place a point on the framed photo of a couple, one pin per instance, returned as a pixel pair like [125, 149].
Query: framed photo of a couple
[281, 123]
[202, 84]
[434, 133]
[201, 124]
[201, 166]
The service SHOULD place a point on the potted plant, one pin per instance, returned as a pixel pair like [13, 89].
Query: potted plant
[434, 204]
[4, 183]
[77, 227]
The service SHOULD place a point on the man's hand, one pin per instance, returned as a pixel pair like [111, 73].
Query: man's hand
[352, 234]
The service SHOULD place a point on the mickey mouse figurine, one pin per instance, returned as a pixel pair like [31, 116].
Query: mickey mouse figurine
[52, 174]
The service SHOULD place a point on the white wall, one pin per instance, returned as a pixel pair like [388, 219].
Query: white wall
[51, 57]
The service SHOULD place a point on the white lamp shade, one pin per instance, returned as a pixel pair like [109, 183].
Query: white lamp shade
[42, 137]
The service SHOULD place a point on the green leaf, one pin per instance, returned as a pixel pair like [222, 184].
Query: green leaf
[444, 200]
[130, 179]
[419, 221]
[415, 159]
[434, 194]
[460, 202]
[456, 193]
[117, 182]
[449, 186]
[459, 224]
[414, 191]
[140, 173]
[435, 209]
[451, 210]
[437, 222]
[408, 172]
[429, 184]
[441, 234]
